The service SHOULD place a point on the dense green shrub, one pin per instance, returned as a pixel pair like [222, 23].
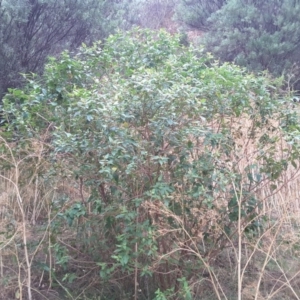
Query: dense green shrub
[171, 147]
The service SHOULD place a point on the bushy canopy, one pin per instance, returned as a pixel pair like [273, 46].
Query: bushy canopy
[170, 145]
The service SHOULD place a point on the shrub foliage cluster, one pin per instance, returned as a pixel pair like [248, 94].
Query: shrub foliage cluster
[168, 150]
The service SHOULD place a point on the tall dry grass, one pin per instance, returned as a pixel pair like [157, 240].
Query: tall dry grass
[26, 213]
[264, 266]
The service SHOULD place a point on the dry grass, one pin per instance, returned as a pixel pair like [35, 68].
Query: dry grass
[266, 266]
